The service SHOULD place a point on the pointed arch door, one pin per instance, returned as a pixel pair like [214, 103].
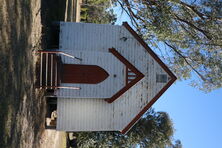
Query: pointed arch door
[84, 74]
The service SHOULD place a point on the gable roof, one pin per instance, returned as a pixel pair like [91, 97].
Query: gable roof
[162, 65]
[96, 114]
[138, 75]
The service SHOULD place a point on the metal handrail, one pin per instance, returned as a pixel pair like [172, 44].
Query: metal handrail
[59, 87]
[60, 52]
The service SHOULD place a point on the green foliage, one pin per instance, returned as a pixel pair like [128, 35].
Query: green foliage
[192, 33]
[154, 130]
[97, 11]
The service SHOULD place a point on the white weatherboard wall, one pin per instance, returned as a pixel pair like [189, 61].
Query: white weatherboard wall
[105, 89]
[96, 114]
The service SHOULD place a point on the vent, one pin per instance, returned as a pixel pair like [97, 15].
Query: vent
[130, 75]
[161, 78]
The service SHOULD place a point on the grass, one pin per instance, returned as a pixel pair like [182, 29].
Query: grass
[22, 109]
[12, 42]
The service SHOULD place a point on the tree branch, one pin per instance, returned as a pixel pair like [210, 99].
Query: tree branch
[176, 51]
[201, 15]
[195, 43]
[193, 26]
[133, 21]
[128, 6]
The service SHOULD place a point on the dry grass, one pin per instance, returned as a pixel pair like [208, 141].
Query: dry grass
[21, 106]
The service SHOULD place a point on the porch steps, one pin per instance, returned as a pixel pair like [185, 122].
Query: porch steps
[48, 71]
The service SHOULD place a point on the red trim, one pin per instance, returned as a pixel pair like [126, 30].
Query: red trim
[139, 75]
[155, 98]
[83, 74]
[138, 116]
[148, 49]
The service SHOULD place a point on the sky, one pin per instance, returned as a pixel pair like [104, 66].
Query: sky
[197, 116]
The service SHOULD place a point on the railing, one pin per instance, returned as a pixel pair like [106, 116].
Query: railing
[60, 52]
[49, 79]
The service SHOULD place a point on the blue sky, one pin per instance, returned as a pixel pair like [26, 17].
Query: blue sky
[197, 116]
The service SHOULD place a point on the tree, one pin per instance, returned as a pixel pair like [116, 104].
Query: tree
[154, 130]
[177, 144]
[188, 35]
[97, 11]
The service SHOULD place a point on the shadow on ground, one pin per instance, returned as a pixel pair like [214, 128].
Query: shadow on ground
[22, 107]
[51, 11]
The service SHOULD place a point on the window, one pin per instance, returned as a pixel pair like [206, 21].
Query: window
[161, 78]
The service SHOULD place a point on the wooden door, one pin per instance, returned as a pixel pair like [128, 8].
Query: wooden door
[86, 74]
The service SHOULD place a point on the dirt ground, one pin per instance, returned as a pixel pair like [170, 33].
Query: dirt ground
[22, 107]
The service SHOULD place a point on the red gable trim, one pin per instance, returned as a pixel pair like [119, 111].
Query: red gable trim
[139, 75]
[157, 59]
[138, 116]
[148, 49]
